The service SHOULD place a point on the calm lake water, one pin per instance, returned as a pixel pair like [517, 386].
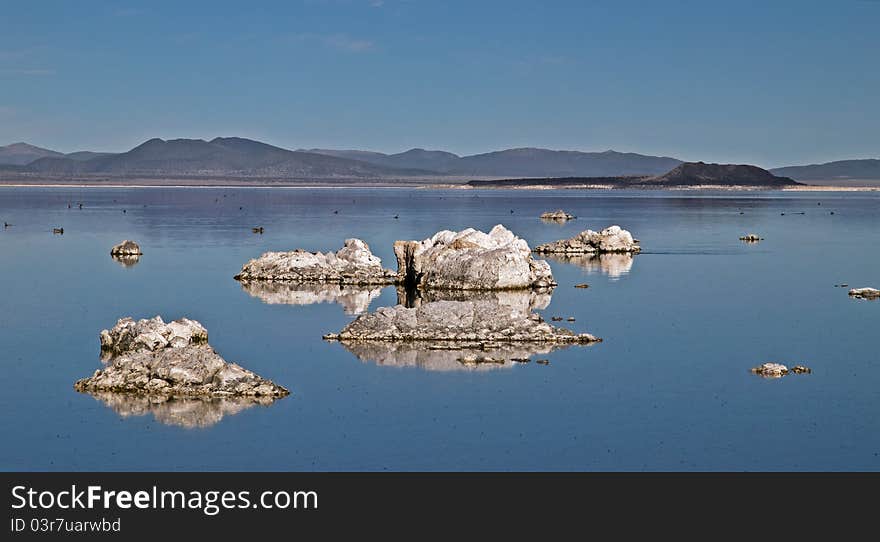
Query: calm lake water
[668, 389]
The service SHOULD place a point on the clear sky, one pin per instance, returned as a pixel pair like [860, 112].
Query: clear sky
[772, 83]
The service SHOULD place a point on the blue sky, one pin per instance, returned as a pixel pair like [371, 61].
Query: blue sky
[770, 83]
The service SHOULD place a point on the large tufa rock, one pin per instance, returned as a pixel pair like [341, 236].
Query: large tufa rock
[352, 264]
[150, 357]
[126, 248]
[471, 260]
[865, 293]
[557, 216]
[612, 239]
[462, 322]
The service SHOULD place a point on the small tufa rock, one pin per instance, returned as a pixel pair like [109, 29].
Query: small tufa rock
[150, 357]
[865, 293]
[126, 248]
[352, 264]
[457, 321]
[771, 370]
[612, 239]
[778, 370]
[558, 216]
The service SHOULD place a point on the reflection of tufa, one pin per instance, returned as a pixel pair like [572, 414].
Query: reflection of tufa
[186, 412]
[613, 265]
[354, 299]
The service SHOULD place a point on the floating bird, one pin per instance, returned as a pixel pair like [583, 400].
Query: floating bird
[832, 212]
[123, 211]
[80, 205]
[542, 361]
[511, 211]
[336, 212]
[6, 225]
[240, 208]
[396, 217]
[68, 206]
[258, 229]
[58, 231]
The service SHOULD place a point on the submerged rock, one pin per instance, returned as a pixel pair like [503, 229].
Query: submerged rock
[471, 260]
[865, 293]
[557, 216]
[352, 264]
[354, 299]
[126, 248]
[186, 412]
[150, 357]
[457, 321]
[612, 239]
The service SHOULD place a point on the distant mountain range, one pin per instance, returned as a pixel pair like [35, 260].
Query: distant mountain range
[20, 154]
[527, 162]
[222, 157]
[867, 169]
[682, 175]
[234, 157]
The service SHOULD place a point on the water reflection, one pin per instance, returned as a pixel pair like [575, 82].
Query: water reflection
[613, 265]
[126, 260]
[447, 355]
[519, 300]
[354, 299]
[186, 412]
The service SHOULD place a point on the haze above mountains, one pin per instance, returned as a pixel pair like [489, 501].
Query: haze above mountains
[244, 158]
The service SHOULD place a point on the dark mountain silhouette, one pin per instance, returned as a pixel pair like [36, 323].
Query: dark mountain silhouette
[19, 154]
[700, 173]
[222, 156]
[547, 163]
[866, 169]
[86, 155]
[437, 161]
[526, 162]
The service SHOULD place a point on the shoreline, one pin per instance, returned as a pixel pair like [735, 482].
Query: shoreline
[450, 186]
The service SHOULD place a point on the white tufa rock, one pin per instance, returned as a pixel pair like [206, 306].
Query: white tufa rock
[471, 260]
[612, 239]
[352, 264]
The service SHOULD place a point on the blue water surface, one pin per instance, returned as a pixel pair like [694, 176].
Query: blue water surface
[668, 389]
